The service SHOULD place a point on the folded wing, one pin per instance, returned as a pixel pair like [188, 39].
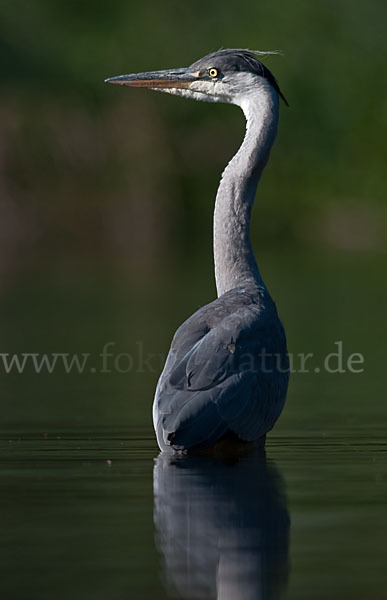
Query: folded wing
[222, 374]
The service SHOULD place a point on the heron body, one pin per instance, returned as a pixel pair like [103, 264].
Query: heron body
[227, 369]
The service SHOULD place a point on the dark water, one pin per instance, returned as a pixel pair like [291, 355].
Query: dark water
[100, 515]
[88, 510]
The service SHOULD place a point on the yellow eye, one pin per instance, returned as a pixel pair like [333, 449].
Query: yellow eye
[213, 72]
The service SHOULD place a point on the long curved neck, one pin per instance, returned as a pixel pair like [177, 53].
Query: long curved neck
[235, 264]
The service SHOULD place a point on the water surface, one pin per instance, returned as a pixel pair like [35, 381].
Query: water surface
[101, 515]
[88, 510]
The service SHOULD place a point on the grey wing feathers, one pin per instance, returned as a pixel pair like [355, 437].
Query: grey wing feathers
[213, 380]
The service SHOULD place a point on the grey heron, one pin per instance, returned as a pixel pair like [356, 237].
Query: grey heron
[227, 371]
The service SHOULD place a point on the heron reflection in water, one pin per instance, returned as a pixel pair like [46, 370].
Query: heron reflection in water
[222, 527]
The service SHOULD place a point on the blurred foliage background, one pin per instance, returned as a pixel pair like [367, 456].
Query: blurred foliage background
[106, 193]
[106, 200]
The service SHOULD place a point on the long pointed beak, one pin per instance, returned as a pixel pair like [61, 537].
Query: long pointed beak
[173, 78]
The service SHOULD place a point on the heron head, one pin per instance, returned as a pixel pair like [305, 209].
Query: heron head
[226, 76]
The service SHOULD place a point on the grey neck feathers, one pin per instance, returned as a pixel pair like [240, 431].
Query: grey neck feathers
[235, 264]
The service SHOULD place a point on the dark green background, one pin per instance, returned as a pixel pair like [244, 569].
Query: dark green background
[106, 199]
[107, 194]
